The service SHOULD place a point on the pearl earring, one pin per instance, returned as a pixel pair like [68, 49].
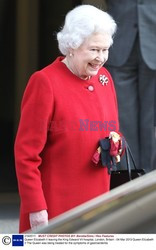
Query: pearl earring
[70, 54]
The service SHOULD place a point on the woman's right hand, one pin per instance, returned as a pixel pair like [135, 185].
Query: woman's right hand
[38, 219]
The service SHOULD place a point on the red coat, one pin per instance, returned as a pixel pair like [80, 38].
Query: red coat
[62, 119]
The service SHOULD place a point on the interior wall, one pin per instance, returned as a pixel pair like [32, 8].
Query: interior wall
[7, 72]
[52, 15]
[27, 43]
[98, 3]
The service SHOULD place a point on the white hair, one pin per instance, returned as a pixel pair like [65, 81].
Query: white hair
[82, 22]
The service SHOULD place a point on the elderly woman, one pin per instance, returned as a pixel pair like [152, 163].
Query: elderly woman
[67, 108]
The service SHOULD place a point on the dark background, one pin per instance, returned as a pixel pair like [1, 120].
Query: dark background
[36, 24]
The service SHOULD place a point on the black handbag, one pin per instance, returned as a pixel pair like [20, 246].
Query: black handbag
[119, 177]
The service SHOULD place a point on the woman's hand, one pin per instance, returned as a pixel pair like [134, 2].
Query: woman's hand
[38, 219]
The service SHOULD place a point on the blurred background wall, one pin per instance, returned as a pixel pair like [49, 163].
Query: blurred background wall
[27, 43]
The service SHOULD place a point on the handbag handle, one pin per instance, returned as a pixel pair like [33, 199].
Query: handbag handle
[129, 155]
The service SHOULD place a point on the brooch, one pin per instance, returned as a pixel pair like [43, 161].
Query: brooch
[103, 79]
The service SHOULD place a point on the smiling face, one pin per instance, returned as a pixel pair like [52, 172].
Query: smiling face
[90, 56]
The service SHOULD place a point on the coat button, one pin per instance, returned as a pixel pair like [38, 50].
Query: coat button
[90, 88]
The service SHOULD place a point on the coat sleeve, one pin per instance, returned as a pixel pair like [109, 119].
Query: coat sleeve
[36, 113]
